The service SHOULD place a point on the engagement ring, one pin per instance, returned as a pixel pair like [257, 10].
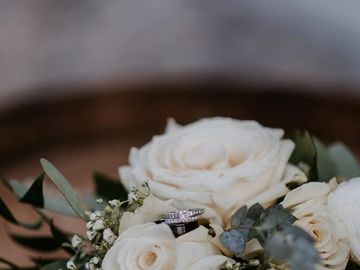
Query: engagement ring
[183, 221]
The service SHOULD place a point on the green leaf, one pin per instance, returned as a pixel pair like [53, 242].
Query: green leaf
[325, 164]
[34, 195]
[64, 186]
[38, 243]
[60, 264]
[293, 245]
[233, 240]
[345, 162]
[108, 188]
[50, 203]
[255, 211]
[305, 153]
[239, 217]
[7, 215]
[273, 217]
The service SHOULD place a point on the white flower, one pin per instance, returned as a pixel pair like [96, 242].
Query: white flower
[75, 241]
[89, 225]
[109, 236]
[93, 217]
[70, 265]
[98, 225]
[91, 235]
[115, 203]
[344, 203]
[94, 260]
[309, 204]
[152, 246]
[219, 164]
[151, 211]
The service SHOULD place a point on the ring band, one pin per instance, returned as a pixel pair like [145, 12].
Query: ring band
[183, 216]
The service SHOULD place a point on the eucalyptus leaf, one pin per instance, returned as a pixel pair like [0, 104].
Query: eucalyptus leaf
[255, 211]
[64, 186]
[108, 188]
[233, 240]
[246, 228]
[305, 153]
[297, 251]
[52, 204]
[34, 195]
[38, 243]
[59, 264]
[345, 162]
[239, 217]
[7, 215]
[273, 217]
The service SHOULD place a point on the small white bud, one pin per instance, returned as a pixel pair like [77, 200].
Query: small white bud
[93, 217]
[75, 241]
[94, 260]
[99, 213]
[98, 225]
[89, 225]
[90, 235]
[99, 200]
[228, 266]
[133, 196]
[115, 203]
[90, 266]
[109, 236]
[70, 265]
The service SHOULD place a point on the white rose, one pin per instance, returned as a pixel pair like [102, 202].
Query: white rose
[309, 204]
[344, 203]
[154, 247]
[151, 211]
[218, 163]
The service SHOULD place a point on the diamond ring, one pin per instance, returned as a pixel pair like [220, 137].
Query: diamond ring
[183, 216]
[183, 221]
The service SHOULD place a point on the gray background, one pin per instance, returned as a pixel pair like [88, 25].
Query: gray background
[44, 42]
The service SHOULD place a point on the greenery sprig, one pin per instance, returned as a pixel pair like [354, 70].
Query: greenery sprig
[273, 227]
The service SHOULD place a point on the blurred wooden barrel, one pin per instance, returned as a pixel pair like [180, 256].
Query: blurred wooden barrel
[94, 130]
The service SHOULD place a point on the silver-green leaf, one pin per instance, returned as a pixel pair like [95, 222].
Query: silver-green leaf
[345, 162]
[52, 204]
[64, 187]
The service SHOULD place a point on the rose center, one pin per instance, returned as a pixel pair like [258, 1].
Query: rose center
[206, 156]
[150, 258]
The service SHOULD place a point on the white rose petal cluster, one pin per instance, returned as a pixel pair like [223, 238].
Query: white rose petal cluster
[309, 205]
[153, 246]
[344, 203]
[219, 164]
[142, 244]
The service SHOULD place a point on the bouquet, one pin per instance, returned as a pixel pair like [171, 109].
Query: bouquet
[218, 193]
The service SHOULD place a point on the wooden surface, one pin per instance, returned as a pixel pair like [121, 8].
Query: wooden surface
[84, 133]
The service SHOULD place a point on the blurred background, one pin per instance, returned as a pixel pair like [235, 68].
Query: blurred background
[82, 81]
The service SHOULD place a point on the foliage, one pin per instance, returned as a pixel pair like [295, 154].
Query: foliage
[272, 227]
[322, 163]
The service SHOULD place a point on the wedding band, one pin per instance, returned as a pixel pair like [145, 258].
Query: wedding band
[183, 216]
